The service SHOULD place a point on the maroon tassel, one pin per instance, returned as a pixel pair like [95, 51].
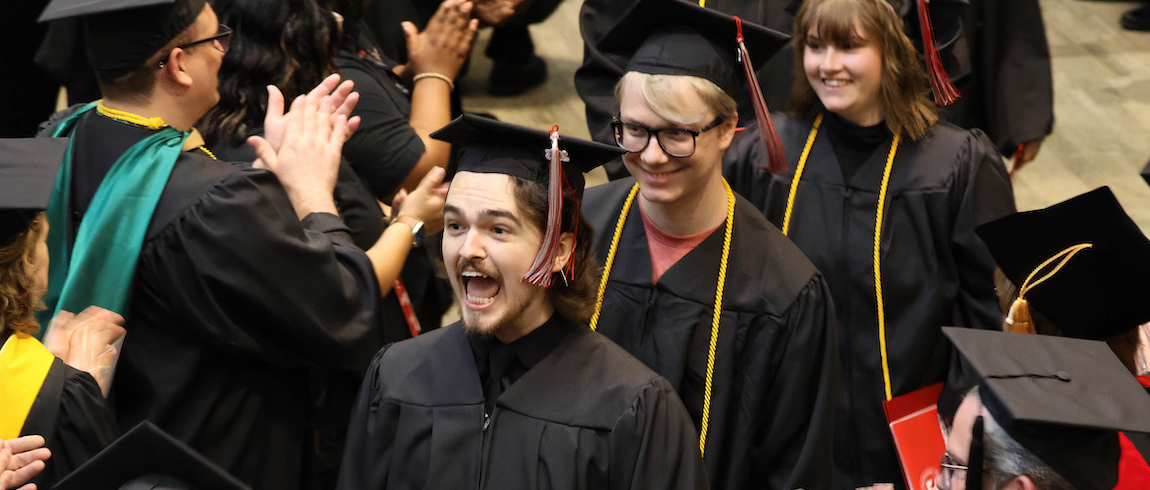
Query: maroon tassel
[540, 272]
[776, 157]
[945, 93]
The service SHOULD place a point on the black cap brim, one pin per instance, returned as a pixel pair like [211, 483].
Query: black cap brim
[28, 167]
[147, 453]
[1101, 291]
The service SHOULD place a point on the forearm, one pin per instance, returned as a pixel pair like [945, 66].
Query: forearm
[389, 254]
[430, 110]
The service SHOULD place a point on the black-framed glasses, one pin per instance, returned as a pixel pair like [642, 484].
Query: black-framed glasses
[676, 142]
[222, 40]
[947, 469]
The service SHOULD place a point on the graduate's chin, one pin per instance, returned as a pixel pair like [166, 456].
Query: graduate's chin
[475, 327]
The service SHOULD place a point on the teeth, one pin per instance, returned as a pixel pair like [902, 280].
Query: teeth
[835, 83]
[479, 301]
[473, 274]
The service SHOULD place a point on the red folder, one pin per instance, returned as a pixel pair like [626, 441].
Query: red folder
[913, 420]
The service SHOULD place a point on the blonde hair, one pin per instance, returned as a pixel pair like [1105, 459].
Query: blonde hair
[661, 93]
[19, 299]
[904, 86]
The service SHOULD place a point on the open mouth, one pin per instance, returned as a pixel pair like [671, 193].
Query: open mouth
[835, 82]
[479, 289]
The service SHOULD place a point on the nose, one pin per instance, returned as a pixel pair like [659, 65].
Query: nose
[653, 153]
[472, 246]
[832, 60]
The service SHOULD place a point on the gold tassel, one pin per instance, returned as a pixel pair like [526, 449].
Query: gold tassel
[1018, 321]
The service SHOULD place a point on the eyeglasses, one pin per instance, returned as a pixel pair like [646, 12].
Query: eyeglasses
[222, 40]
[947, 470]
[676, 142]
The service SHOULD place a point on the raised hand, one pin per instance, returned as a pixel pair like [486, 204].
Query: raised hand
[20, 460]
[425, 203]
[445, 43]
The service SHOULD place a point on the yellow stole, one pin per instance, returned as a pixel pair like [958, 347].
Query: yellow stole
[24, 363]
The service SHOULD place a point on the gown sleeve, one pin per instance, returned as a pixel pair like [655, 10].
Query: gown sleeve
[792, 447]
[246, 275]
[656, 440]
[366, 452]
[74, 418]
[981, 192]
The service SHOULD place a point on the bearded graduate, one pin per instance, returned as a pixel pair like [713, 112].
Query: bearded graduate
[884, 199]
[520, 393]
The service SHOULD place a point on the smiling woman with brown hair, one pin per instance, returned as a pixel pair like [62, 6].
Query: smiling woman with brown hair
[883, 198]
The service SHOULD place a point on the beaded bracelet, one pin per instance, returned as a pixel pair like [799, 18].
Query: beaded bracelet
[431, 74]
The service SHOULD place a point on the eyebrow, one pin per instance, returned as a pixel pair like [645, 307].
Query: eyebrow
[487, 212]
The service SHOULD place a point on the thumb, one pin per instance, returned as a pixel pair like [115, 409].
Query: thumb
[264, 151]
[410, 32]
[433, 178]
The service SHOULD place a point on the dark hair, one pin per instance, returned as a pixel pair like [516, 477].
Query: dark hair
[352, 12]
[19, 301]
[286, 43]
[138, 85]
[572, 298]
[904, 86]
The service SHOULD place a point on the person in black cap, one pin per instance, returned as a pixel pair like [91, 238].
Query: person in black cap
[883, 199]
[1045, 416]
[697, 284]
[233, 280]
[56, 389]
[519, 393]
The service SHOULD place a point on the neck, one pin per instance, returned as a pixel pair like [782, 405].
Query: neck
[864, 120]
[531, 319]
[690, 214]
[168, 110]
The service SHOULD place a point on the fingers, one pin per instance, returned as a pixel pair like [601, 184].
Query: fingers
[30, 457]
[325, 87]
[431, 180]
[352, 127]
[275, 102]
[410, 33]
[24, 444]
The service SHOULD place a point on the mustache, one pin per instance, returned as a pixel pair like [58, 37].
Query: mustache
[475, 265]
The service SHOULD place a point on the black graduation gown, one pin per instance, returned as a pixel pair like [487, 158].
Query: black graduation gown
[935, 270]
[72, 415]
[587, 416]
[774, 383]
[234, 299]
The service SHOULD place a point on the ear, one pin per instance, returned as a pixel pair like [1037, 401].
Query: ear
[727, 131]
[566, 247]
[175, 68]
[1022, 482]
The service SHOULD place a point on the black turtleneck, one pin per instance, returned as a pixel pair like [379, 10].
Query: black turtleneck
[854, 145]
[507, 362]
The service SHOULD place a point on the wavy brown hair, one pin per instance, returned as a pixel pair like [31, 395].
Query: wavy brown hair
[904, 87]
[19, 299]
[572, 298]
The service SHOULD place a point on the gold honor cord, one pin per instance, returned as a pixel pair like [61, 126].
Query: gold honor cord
[877, 236]
[152, 123]
[1066, 255]
[718, 296]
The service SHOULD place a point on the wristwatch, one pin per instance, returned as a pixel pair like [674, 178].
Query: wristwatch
[417, 234]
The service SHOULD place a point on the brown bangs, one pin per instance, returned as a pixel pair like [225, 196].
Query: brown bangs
[834, 23]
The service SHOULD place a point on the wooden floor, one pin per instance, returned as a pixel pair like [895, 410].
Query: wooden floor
[1101, 89]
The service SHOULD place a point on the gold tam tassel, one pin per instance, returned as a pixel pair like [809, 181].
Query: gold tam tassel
[1018, 321]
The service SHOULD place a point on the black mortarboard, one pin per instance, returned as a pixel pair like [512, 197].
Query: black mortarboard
[1100, 291]
[490, 146]
[1062, 399]
[146, 457]
[123, 34]
[674, 37]
[28, 169]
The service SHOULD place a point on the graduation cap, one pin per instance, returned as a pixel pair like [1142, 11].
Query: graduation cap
[122, 35]
[1083, 263]
[1062, 399]
[28, 167]
[490, 146]
[146, 457]
[674, 37]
